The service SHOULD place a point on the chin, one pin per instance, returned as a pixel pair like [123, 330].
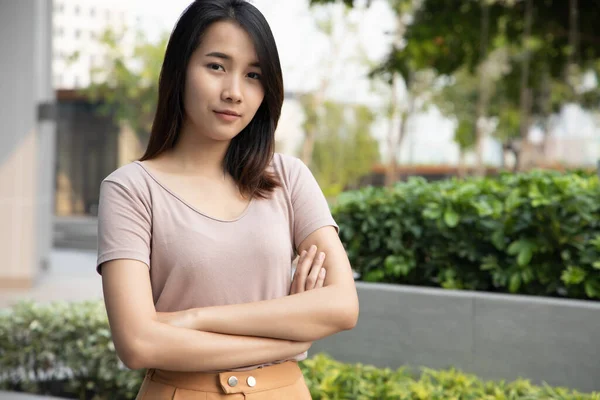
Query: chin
[225, 136]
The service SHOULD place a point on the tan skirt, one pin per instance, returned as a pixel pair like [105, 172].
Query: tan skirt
[276, 382]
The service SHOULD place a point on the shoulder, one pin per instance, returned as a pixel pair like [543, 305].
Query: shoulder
[132, 177]
[287, 166]
[129, 175]
[281, 159]
[294, 174]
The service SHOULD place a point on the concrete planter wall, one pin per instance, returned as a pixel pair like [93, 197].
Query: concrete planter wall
[493, 336]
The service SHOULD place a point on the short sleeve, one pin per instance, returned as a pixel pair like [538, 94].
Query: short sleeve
[309, 204]
[124, 225]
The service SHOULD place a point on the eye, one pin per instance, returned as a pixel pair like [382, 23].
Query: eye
[254, 75]
[215, 67]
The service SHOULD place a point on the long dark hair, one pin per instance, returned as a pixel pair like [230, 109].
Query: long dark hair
[251, 151]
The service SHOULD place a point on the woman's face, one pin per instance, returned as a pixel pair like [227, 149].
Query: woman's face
[223, 87]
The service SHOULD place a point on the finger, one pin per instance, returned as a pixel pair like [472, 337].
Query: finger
[304, 268]
[321, 280]
[294, 286]
[313, 276]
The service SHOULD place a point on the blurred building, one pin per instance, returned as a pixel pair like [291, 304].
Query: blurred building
[89, 145]
[26, 140]
[76, 28]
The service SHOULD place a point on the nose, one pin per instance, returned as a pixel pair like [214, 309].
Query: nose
[232, 91]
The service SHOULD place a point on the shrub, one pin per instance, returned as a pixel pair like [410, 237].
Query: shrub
[536, 233]
[65, 349]
[331, 380]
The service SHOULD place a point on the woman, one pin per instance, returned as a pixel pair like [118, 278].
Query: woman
[196, 239]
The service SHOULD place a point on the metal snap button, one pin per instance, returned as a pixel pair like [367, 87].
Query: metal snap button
[251, 381]
[232, 381]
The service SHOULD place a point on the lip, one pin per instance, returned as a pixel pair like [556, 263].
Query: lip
[227, 116]
[228, 112]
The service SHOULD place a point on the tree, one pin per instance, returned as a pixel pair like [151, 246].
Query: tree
[344, 151]
[402, 66]
[525, 95]
[126, 84]
[540, 38]
[457, 100]
[550, 43]
[335, 40]
[483, 89]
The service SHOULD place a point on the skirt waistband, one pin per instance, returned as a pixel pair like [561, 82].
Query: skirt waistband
[256, 380]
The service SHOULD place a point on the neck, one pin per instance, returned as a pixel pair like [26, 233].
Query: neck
[194, 154]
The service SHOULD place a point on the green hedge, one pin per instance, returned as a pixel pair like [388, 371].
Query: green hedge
[536, 233]
[65, 349]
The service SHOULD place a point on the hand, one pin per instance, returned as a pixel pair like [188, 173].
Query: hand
[304, 346]
[310, 273]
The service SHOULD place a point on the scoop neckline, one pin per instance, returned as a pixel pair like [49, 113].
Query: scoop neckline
[187, 204]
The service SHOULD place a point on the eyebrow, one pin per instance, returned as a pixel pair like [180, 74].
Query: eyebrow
[229, 58]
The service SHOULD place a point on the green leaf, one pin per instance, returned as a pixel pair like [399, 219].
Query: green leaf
[451, 218]
[515, 247]
[524, 256]
[513, 200]
[573, 275]
[432, 211]
[498, 239]
[374, 276]
[523, 249]
[592, 289]
[515, 283]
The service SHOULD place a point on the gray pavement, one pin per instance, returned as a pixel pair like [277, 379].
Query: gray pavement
[71, 276]
[22, 396]
[75, 232]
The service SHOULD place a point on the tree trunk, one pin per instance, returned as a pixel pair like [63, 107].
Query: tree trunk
[310, 135]
[546, 107]
[392, 141]
[462, 165]
[307, 146]
[525, 95]
[402, 132]
[483, 98]
[404, 116]
[573, 45]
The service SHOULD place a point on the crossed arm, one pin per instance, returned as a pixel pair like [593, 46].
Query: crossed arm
[224, 337]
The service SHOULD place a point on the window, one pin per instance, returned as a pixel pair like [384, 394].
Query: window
[77, 33]
[76, 10]
[92, 12]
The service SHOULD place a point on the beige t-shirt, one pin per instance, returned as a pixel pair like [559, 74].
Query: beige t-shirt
[196, 260]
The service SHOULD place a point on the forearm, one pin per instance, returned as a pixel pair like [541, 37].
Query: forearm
[306, 316]
[172, 348]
